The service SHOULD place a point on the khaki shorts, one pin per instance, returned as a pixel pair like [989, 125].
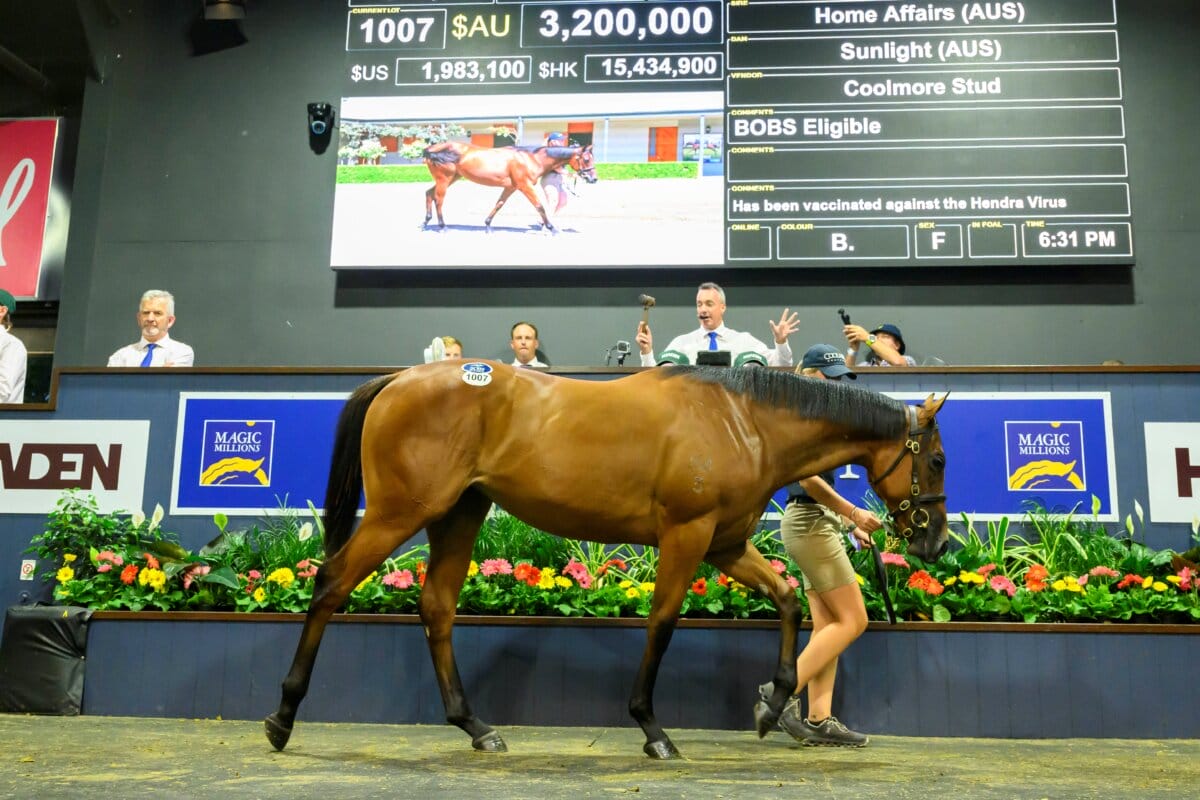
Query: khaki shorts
[812, 535]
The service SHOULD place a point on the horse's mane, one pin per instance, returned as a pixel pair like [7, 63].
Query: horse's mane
[845, 404]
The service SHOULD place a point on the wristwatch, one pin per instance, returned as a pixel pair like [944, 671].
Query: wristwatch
[871, 340]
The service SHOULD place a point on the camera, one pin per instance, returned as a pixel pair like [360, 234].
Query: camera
[320, 118]
[845, 317]
[320, 126]
[622, 349]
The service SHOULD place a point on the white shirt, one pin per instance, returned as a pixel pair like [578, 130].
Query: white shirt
[13, 359]
[735, 342]
[535, 364]
[166, 351]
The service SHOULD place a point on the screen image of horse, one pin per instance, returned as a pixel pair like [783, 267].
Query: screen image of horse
[512, 169]
[699, 453]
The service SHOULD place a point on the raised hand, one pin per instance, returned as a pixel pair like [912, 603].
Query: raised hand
[788, 324]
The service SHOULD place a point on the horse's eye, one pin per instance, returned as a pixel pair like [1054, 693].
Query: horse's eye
[938, 462]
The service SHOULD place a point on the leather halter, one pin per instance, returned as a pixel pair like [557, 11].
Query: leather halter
[912, 506]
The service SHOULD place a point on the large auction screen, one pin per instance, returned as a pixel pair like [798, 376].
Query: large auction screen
[784, 133]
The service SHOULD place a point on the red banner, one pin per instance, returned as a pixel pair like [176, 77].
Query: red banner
[26, 166]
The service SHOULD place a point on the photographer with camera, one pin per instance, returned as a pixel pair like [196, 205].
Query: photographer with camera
[713, 335]
[885, 343]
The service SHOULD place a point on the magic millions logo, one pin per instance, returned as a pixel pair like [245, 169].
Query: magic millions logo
[1044, 456]
[237, 452]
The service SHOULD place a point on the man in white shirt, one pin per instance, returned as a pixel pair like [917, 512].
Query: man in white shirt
[713, 335]
[13, 356]
[524, 344]
[156, 315]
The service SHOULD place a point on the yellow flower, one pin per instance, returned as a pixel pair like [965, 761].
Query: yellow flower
[1059, 585]
[861, 580]
[366, 580]
[547, 579]
[259, 595]
[625, 584]
[970, 577]
[65, 574]
[631, 592]
[647, 587]
[1175, 579]
[69, 557]
[562, 583]
[1073, 586]
[473, 569]
[548, 572]
[283, 576]
[1146, 584]
[1158, 586]
[950, 581]
[156, 579]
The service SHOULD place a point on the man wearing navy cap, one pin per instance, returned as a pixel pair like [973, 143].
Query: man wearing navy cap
[552, 181]
[885, 343]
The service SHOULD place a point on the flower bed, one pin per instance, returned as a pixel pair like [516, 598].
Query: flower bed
[1074, 570]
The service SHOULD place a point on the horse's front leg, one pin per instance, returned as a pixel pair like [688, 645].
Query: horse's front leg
[680, 550]
[530, 191]
[504, 195]
[336, 579]
[429, 194]
[451, 540]
[747, 566]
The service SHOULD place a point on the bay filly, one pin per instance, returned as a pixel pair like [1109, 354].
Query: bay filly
[513, 169]
[679, 458]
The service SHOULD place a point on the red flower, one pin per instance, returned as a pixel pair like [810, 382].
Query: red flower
[1035, 578]
[985, 569]
[615, 563]
[151, 561]
[925, 582]
[1129, 580]
[527, 572]
[129, 574]
[1187, 579]
[723, 579]
[700, 587]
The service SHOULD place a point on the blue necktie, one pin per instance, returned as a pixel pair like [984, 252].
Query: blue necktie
[712, 340]
[149, 354]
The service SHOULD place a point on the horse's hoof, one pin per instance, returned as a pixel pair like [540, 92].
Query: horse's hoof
[765, 719]
[277, 733]
[662, 750]
[490, 742]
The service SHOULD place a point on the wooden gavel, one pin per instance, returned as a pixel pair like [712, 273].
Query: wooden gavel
[647, 303]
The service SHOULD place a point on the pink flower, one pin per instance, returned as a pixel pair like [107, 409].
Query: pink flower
[1082, 580]
[1104, 572]
[104, 568]
[778, 566]
[151, 561]
[398, 579]
[1002, 584]
[306, 569]
[111, 557]
[1187, 578]
[253, 574]
[194, 571]
[579, 572]
[894, 560]
[985, 569]
[792, 582]
[495, 566]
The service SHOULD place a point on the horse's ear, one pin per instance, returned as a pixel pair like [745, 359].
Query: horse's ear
[934, 406]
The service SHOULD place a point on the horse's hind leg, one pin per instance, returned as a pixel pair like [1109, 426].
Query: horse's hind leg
[337, 577]
[504, 195]
[680, 550]
[530, 192]
[451, 540]
[747, 566]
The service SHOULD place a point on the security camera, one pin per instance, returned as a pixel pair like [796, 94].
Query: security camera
[320, 118]
[320, 126]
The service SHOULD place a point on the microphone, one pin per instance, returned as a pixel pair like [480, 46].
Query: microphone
[621, 348]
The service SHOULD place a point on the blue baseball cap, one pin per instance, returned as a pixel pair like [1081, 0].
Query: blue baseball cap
[829, 360]
[891, 330]
[556, 137]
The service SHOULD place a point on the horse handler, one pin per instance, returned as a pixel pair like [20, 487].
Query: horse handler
[811, 529]
[552, 181]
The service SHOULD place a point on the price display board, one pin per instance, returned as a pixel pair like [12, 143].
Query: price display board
[745, 133]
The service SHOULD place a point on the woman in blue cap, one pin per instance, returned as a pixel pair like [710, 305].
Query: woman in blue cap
[885, 343]
[13, 356]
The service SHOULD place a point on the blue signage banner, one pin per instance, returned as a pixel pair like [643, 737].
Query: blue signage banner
[1007, 450]
[247, 452]
[250, 453]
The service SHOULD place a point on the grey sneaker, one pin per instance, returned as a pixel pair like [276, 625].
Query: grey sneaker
[829, 732]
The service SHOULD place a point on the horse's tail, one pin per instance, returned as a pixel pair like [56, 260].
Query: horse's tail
[345, 472]
[441, 153]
